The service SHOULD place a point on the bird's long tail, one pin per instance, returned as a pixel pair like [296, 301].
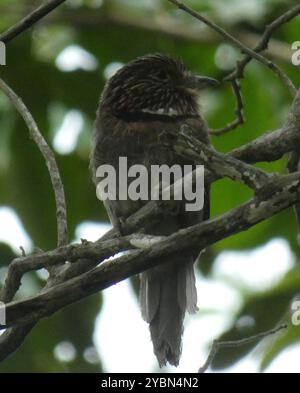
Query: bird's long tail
[166, 293]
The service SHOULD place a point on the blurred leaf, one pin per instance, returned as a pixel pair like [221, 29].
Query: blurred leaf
[266, 310]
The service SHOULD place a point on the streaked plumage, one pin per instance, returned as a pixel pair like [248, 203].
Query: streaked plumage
[149, 95]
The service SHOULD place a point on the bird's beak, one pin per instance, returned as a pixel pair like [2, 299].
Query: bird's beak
[198, 82]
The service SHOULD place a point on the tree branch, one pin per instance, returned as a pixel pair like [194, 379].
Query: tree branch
[236, 88]
[13, 338]
[221, 165]
[280, 193]
[281, 141]
[30, 20]
[276, 194]
[273, 145]
[243, 48]
[218, 345]
[61, 210]
[265, 39]
[165, 25]
[154, 210]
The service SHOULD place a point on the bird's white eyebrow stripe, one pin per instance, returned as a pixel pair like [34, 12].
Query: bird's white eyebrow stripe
[162, 111]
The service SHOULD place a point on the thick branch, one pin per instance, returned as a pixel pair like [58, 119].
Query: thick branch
[273, 145]
[278, 142]
[280, 193]
[219, 164]
[96, 252]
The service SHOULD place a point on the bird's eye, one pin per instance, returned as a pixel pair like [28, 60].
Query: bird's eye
[162, 75]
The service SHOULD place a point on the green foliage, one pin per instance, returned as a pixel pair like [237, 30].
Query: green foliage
[267, 310]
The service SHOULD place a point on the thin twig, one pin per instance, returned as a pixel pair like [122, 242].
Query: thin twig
[243, 48]
[23, 251]
[14, 337]
[238, 111]
[238, 72]
[61, 210]
[265, 39]
[30, 20]
[218, 345]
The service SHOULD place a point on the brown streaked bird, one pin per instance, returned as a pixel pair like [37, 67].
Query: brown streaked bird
[149, 95]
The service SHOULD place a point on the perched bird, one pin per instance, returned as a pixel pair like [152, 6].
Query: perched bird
[149, 95]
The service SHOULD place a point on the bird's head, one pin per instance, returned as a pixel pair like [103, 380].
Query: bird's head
[154, 84]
